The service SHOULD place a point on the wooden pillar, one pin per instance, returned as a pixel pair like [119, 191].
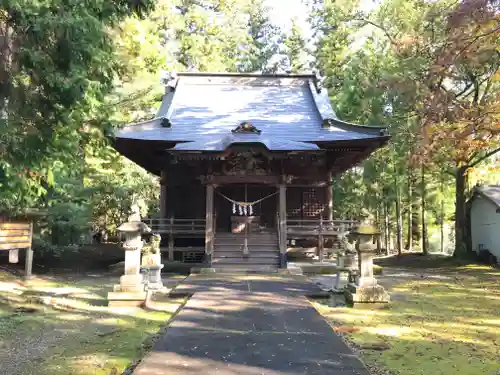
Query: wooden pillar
[282, 224]
[29, 263]
[321, 247]
[163, 194]
[321, 242]
[329, 196]
[171, 240]
[209, 227]
[28, 266]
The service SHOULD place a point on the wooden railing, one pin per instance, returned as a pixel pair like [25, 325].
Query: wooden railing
[319, 229]
[173, 228]
[176, 226]
[291, 229]
[316, 227]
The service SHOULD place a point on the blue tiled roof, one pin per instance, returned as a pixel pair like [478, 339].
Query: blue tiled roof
[216, 143]
[204, 109]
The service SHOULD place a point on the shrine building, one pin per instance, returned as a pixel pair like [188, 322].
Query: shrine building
[246, 164]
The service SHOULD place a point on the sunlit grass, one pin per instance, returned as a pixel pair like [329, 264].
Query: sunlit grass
[432, 327]
[75, 332]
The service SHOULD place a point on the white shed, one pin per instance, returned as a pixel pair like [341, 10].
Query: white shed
[485, 219]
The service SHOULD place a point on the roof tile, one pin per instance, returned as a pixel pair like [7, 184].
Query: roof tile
[205, 109]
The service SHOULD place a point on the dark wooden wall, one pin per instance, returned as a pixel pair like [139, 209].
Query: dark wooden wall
[188, 201]
[186, 193]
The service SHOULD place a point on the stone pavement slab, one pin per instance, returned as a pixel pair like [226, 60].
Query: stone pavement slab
[249, 325]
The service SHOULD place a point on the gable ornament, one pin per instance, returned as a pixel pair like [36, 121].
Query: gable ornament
[246, 128]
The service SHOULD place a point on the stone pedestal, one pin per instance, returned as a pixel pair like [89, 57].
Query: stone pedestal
[375, 294]
[130, 283]
[130, 291]
[366, 291]
[346, 263]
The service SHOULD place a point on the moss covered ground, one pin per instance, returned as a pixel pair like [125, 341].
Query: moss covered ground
[443, 321]
[62, 326]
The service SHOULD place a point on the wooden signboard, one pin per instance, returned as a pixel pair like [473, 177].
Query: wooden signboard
[15, 235]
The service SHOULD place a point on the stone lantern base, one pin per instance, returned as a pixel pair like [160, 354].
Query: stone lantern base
[129, 293]
[366, 296]
[126, 299]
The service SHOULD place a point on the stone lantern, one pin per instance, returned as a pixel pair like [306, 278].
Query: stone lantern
[130, 291]
[366, 290]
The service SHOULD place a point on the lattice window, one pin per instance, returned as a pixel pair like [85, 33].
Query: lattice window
[294, 203]
[311, 204]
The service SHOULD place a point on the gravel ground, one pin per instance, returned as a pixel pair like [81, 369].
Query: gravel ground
[22, 353]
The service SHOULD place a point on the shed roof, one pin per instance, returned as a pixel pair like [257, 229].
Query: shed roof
[199, 111]
[490, 192]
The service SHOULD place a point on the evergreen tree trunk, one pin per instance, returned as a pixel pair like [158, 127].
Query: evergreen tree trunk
[425, 243]
[441, 216]
[460, 216]
[409, 243]
[399, 232]
[379, 218]
[6, 71]
[387, 232]
[399, 219]
[415, 209]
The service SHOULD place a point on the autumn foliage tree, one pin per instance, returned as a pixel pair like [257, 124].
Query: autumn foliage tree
[429, 71]
[461, 107]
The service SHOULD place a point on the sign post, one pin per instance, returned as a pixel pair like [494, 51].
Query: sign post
[15, 235]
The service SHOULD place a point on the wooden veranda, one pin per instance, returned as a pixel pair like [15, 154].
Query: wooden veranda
[317, 231]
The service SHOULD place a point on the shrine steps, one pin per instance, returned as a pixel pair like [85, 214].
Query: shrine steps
[246, 269]
[263, 252]
[235, 253]
[268, 235]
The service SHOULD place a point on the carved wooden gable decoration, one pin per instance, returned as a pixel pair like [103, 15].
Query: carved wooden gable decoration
[246, 128]
[243, 163]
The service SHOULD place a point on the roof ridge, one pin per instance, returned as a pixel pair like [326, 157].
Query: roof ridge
[488, 194]
[253, 75]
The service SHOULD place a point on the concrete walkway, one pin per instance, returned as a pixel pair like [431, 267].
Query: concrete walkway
[249, 325]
